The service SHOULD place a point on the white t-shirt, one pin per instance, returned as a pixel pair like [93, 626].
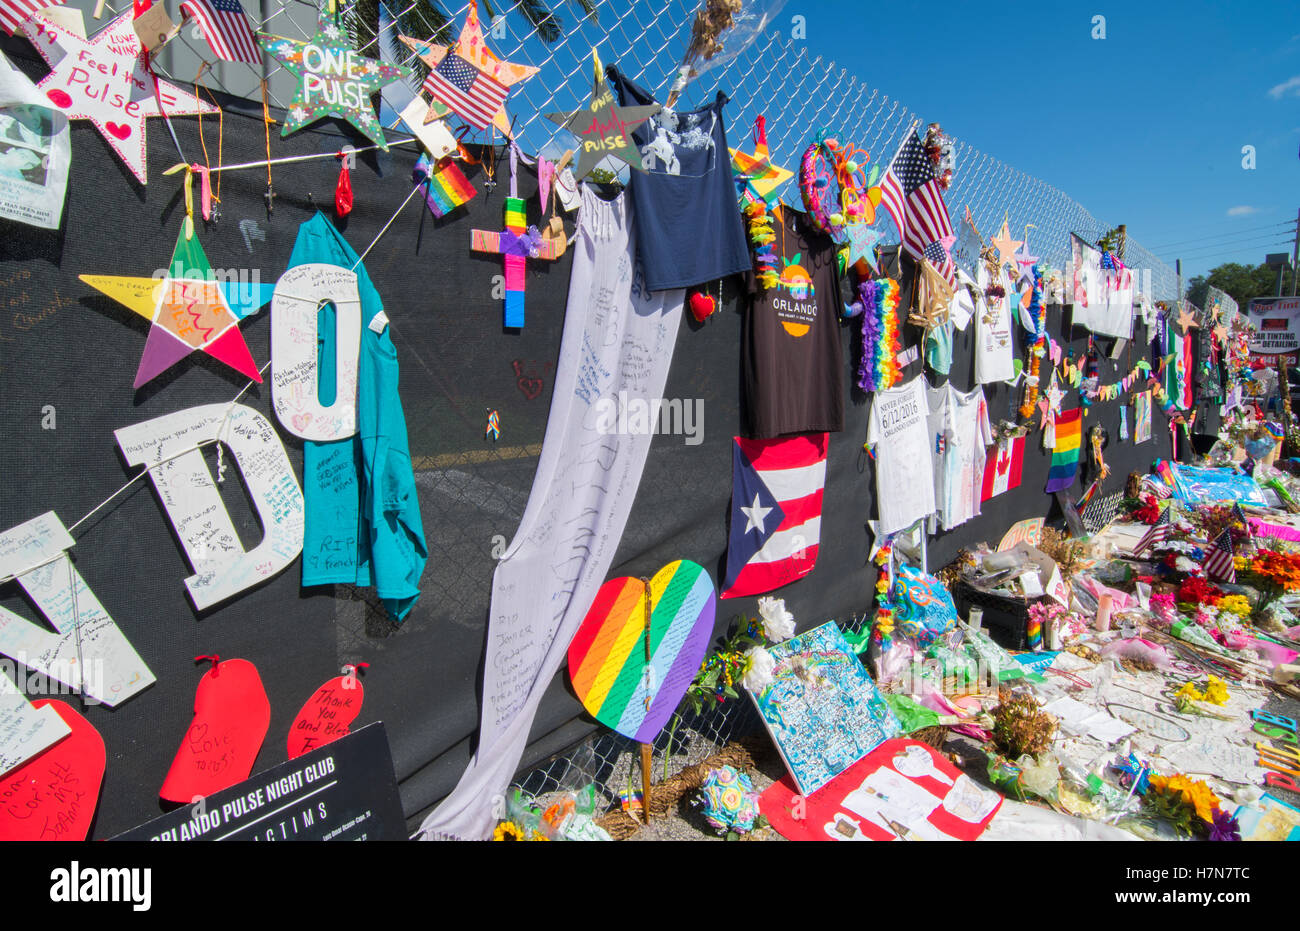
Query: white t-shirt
[904, 476]
[994, 337]
[960, 433]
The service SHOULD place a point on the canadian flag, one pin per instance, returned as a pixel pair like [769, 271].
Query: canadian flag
[1002, 470]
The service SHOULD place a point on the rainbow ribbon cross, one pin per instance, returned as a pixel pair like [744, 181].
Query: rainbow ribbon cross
[518, 243]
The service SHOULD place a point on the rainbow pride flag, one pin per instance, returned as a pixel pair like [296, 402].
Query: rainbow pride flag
[445, 188]
[1065, 458]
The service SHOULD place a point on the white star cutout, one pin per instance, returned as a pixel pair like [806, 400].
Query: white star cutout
[755, 515]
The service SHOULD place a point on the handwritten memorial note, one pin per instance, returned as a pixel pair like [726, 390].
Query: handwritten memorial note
[327, 715]
[24, 730]
[53, 796]
[295, 372]
[222, 568]
[87, 651]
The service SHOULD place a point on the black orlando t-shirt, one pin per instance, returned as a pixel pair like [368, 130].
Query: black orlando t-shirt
[791, 365]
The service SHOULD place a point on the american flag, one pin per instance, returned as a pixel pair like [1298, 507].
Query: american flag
[13, 13]
[225, 27]
[910, 192]
[1158, 533]
[474, 96]
[1239, 514]
[1218, 561]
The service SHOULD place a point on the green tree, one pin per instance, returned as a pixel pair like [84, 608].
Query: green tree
[1241, 282]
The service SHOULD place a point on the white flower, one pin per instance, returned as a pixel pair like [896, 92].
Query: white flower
[778, 623]
[758, 674]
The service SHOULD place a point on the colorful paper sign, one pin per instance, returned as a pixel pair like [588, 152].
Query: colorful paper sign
[327, 715]
[191, 310]
[35, 152]
[100, 663]
[231, 717]
[24, 730]
[1029, 530]
[334, 79]
[104, 80]
[296, 387]
[180, 474]
[821, 707]
[604, 128]
[53, 796]
[903, 788]
[612, 676]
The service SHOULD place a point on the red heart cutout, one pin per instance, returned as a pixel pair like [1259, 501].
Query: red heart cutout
[326, 716]
[231, 716]
[59, 98]
[702, 305]
[53, 795]
[120, 130]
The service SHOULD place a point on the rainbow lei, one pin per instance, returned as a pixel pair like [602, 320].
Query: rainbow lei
[763, 240]
[881, 343]
[884, 626]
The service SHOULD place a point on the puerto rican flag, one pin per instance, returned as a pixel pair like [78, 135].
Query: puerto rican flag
[1002, 469]
[776, 512]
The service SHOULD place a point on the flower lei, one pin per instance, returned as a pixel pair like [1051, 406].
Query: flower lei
[884, 627]
[878, 305]
[763, 239]
[1037, 342]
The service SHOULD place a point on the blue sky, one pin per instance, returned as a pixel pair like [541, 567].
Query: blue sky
[1144, 127]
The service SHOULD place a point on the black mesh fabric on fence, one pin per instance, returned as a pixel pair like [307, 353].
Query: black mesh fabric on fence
[64, 345]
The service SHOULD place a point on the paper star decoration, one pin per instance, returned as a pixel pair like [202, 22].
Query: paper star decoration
[860, 239]
[334, 80]
[471, 47]
[1186, 319]
[604, 128]
[1221, 333]
[755, 516]
[756, 177]
[190, 310]
[1055, 396]
[104, 80]
[1006, 246]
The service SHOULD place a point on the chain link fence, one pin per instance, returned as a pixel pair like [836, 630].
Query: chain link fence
[776, 76]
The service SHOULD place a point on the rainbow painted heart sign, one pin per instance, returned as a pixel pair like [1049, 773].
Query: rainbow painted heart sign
[608, 664]
[104, 80]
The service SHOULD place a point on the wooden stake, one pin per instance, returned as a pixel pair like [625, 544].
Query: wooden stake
[646, 749]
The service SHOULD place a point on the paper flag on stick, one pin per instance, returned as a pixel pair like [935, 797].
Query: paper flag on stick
[608, 664]
[334, 80]
[190, 310]
[327, 715]
[104, 80]
[231, 717]
[53, 795]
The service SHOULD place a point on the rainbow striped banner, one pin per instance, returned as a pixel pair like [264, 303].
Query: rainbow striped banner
[446, 188]
[1065, 457]
[607, 658]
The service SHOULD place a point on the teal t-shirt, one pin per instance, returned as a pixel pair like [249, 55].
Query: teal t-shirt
[363, 513]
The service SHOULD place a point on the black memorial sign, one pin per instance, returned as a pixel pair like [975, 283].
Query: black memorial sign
[346, 790]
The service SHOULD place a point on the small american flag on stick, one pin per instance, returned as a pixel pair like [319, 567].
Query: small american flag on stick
[1218, 561]
[225, 27]
[1158, 533]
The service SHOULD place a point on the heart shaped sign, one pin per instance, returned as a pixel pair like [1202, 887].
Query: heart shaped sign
[327, 714]
[53, 795]
[607, 658]
[231, 717]
[702, 306]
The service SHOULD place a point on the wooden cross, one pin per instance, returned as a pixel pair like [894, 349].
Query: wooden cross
[517, 243]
